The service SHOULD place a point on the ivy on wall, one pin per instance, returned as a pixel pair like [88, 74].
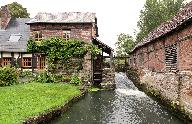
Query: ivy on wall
[60, 52]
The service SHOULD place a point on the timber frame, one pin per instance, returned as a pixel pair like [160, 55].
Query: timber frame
[98, 62]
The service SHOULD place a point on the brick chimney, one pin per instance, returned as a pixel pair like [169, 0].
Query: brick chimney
[5, 17]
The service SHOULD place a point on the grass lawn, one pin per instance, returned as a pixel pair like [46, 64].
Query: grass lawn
[19, 102]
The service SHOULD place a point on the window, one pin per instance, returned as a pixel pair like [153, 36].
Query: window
[6, 61]
[38, 35]
[26, 62]
[41, 63]
[14, 37]
[171, 57]
[66, 34]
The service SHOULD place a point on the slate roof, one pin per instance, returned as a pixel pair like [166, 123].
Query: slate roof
[16, 27]
[66, 17]
[182, 16]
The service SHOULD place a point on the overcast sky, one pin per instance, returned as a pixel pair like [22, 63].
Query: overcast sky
[114, 16]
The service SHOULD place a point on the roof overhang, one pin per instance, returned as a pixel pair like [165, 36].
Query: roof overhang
[105, 48]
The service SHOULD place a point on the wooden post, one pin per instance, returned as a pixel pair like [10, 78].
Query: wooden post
[111, 58]
[12, 59]
[102, 60]
[33, 62]
[1, 59]
[21, 63]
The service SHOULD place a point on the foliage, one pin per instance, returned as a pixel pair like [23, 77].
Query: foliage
[60, 52]
[25, 73]
[124, 44]
[94, 89]
[17, 10]
[19, 102]
[154, 13]
[8, 76]
[75, 80]
[44, 77]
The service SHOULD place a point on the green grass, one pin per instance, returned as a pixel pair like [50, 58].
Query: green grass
[22, 101]
[94, 89]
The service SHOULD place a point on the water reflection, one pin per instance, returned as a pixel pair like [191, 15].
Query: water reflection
[125, 105]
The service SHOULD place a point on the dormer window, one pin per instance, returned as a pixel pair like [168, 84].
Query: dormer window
[14, 37]
[38, 35]
[66, 34]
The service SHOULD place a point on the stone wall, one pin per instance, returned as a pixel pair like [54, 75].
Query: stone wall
[86, 72]
[5, 17]
[108, 78]
[175, 87]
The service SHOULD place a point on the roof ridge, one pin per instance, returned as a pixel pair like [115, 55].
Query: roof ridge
[64, 17]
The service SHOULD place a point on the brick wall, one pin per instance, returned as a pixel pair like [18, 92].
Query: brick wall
[5, 17]
[175, 86]
[83, 31]
[154, 52]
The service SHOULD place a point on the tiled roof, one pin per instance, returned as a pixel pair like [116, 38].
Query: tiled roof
[66, 17]
[17, 27]
[182, 16]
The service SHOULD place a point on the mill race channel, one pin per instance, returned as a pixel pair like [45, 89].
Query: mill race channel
[125, 105]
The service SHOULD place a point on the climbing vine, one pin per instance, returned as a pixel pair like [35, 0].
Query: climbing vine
[60, 52]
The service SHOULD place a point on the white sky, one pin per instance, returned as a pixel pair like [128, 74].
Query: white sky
[114, 16]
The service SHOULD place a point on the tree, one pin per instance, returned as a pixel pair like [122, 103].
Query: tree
[124, 44]
[18, 11]
[154, 13]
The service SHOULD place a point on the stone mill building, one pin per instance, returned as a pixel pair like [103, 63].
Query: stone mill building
[15, 33]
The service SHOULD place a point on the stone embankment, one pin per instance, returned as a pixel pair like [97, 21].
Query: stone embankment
[108, 79]
[174, 90]
[48, 116]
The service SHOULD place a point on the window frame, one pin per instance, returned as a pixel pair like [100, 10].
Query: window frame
[7, 62]
[25, 63]
[39, 35]
[14, 37]
[66, 34]
[41, 62]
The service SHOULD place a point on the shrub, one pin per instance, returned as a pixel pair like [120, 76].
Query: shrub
[44, 77]
[8, 76]
[65, 79]
[26, 74]
[75, 80]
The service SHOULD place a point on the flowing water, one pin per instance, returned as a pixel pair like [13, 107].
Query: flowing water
[125, 105]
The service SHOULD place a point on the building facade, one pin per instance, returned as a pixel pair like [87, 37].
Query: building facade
[15, 33]
[164, 59]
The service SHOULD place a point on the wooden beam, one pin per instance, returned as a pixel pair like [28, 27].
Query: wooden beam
[111, 58]
[12, 59]
[32, 62]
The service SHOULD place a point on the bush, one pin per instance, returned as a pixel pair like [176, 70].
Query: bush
[75, 80]
[26, 74]
[8, 76]
[44, 77]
